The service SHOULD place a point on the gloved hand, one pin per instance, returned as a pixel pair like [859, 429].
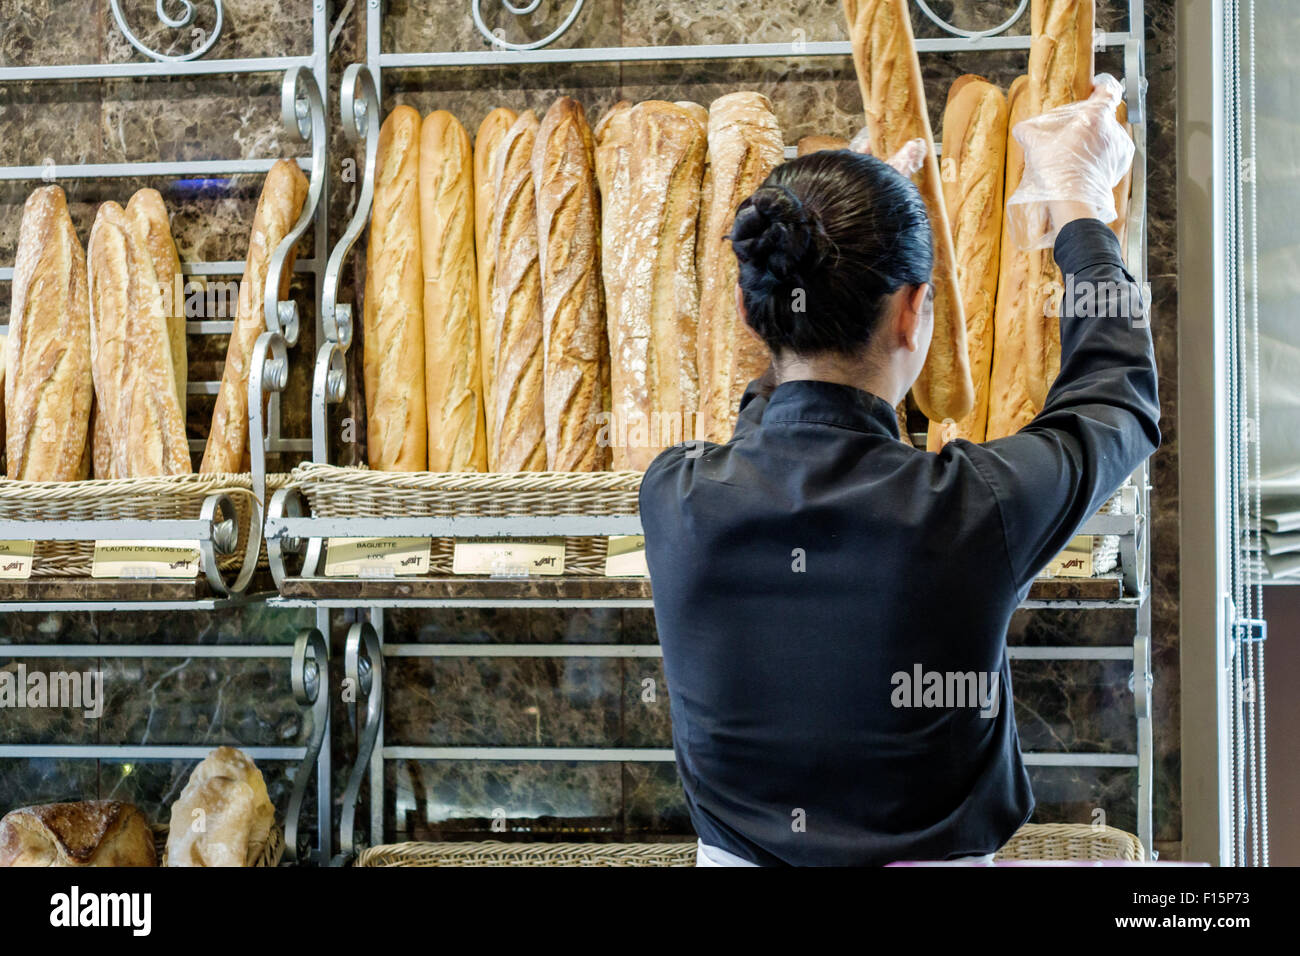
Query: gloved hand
[907, 160]
[1076, 153]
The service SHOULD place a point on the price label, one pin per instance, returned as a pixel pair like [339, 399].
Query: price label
[1075, 561]
[16, 560]
[513, 558]
[376, 557]
[625, 557]
[145, 559]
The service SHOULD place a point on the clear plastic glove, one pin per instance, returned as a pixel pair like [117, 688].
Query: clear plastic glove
[907, 160]
[1076, 153]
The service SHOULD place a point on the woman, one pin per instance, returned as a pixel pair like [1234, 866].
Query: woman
[833, 603]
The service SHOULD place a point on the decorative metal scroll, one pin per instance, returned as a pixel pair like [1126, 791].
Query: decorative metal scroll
[496, 39]
[176, 23]
[972, 34]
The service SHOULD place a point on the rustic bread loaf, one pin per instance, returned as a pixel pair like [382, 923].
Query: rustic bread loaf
[92, 833]
[147, 209]
[223, 817]
[817, 142]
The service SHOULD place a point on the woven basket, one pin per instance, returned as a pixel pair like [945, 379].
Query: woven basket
[177, 497]
[1070, 841]
[495, 853]
[335, 492]
[269, 857]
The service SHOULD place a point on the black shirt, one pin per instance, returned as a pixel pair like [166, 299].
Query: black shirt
[811, 574]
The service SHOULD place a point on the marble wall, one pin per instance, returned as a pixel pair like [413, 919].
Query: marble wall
[574, 702]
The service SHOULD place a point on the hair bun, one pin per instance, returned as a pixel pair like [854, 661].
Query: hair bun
[778, 236]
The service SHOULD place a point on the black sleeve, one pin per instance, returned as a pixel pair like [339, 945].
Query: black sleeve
[1100, 418]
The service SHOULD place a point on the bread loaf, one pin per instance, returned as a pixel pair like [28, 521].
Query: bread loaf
[130, 352]
[893, 94]
[745, 145]
[518, 430]
[613, 139]
[147, 209]
[816, 143]
[453, 383]
[283, 194]
[649, 271]
[4, 347]
[491, 132]
[47, 364]
[1124, 189]
[393, 360]
[575, 366]
[93, 833]
[973, 168]
[223, 817]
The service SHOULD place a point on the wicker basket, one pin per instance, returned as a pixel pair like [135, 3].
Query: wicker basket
[176, 497]
[1070, 841]
[269, 857]
[335, 492]
[495, 853]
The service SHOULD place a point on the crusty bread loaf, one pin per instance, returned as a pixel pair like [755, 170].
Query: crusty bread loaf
[4, 348]
[575, 349]
[973, 169]
[518, 430]
[491, 132]
[47, 378]
[1061, 54]
[649, 271]
[613, 138]
[147, 209]
[817, 142]
[92, 833]
[1010, 406]
[283, 194]
[453, 386]
[893, 94]
[745, 145]
[130, 353]
[1124, 189]
[396, 413]
[223, 817]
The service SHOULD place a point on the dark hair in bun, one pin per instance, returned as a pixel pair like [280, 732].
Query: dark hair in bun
[822, 243]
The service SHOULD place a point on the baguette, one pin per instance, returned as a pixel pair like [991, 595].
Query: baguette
[973, 168]
[745, 145]
[893, 94]
[817, 142]
[47, 363]
[283, 194]
[490, 134]
[393, 360]
[518, 430]
[575, 349]
[453, 384]
[1124, 189]
[147, 210]
[130, 353]
[4, 347]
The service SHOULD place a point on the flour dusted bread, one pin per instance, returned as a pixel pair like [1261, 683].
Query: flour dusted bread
[575, 366]
[47, 362]
[745, 144]
[92, 833]
[893, 95]
[518, 429]
[817, 142]
[973, 170]
[453, 383]
[283, 194]
[223, 817]
[491, 133]
[148, 212]
[1061, 53]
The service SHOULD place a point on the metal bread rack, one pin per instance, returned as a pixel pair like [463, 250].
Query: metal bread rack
[291, 530]
[305, 81]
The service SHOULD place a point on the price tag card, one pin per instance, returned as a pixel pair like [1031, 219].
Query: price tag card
[1075, 561]
[512, 558]
[145, 559]
[625, 557]
[376, 557]
[16, 560]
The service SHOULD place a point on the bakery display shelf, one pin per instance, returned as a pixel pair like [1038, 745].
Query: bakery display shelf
[292, 531]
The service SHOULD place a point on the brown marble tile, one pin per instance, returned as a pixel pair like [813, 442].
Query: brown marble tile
[646, 719]
[27, 782]
[51, 679]
[250, 28]
[1074, 706]
[653, 804]
[1076, 794]
[421, 26]
[51, 32]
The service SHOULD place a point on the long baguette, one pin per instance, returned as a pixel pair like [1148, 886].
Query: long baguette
[491, 132]
[973, 169]
[147, 209]
[1124, 190]
[817, 142]
[130, 351]
[278, 208]
[575, 363]
[397, 429]
[452, 371]
[519, 430]
[893, 94]
[47, 364]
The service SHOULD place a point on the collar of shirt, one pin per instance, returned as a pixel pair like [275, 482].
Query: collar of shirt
[829, 403]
